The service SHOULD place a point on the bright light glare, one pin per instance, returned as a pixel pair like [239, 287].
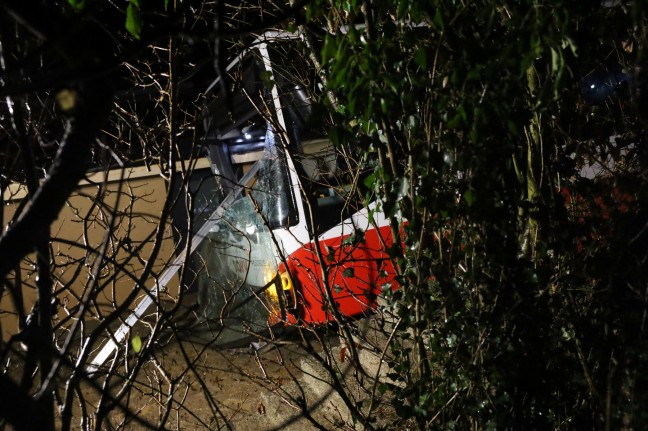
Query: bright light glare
[272, 296]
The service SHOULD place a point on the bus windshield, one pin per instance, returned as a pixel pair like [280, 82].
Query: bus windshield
[235, 266]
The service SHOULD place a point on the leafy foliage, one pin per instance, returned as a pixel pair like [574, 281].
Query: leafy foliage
[518, 308]
[134, 19]
[508, 150]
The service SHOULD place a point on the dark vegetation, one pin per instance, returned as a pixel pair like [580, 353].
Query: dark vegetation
[509, 135]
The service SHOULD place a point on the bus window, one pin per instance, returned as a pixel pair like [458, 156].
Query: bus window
[327, 184]
[327, 175]
[236, 265]
[240, 136]
[235, 289]
[272, 190]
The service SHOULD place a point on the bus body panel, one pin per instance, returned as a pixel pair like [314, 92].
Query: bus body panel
[135, 198]
[356, 267]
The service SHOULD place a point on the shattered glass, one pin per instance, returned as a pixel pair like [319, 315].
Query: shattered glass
[238, 265]
[236, 282]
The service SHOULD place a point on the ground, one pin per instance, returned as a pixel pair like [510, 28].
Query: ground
[260, 387]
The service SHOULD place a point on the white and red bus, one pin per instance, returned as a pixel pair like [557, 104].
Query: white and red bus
[291, 240]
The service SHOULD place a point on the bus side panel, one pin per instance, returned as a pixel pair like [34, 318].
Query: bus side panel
[356, 274]
[82, 223]
[378, 240]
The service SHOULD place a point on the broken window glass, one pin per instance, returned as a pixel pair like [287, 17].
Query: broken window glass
[236, 287]
[237, 264]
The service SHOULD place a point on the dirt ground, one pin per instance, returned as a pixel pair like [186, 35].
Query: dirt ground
[274, 388]
[186, 382]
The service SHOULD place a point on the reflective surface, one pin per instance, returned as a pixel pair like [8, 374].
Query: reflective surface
[237, 263]
[238, 266]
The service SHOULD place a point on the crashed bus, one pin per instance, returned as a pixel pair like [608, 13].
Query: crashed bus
[293, 229]
[283, 233]
[290, 239]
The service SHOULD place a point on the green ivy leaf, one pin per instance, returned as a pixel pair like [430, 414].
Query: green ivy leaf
[438, 19]
[329, 49]
[134, 20]
[370, 181]
[266, 79]
[469, 196]
[330, 255]
[78, 5]
[136, 342]
[336, 135]
[421, 57]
